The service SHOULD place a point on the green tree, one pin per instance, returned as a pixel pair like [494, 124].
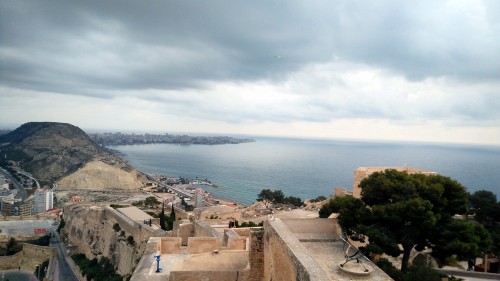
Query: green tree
[487, 212]
[278, 197]
[295, 201]
[171, 219]
[464, 239]
[62, 223]
[485, 206]
[266, 196]
[151, 201]
[13, 247]
[352, 211]
[163, 224]
[413, 211]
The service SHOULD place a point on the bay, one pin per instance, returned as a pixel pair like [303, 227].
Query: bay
[308, 168]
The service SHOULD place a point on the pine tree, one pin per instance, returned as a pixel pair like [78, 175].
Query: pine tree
[172, 213]
[171, 219]
[162, 217]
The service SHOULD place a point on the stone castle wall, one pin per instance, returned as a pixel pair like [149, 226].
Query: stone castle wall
[89, 229]
[363, 172]
[203, 229]
[29, 258]
[285, 258]
[256, 257]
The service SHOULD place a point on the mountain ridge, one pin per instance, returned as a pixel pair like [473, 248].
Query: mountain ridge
[51, 151]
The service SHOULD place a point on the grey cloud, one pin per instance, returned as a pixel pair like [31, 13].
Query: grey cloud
[234, 41]
[231, 41]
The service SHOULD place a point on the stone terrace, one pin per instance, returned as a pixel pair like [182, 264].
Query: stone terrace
[320, 240]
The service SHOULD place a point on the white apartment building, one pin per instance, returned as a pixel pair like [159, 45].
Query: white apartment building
[44, 200]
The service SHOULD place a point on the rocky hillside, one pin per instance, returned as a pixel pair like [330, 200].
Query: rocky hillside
[99, 175]
[51, 151]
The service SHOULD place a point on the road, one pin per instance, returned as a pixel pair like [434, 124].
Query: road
[20, 189]
[31, 177]
[63, 270]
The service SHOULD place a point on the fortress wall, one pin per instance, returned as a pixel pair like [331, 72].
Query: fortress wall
[170, 245]
[35, 251]
[285, 258]
[10, 262]
[126, 224]
[314, 225]
[203, 229]
[198, 245]
[184, 230]
[208, 275]
[256, 241]
[90, 230]
[363, 172]
[242, 231]
[233, 241]
[237, 243]
[29, 258]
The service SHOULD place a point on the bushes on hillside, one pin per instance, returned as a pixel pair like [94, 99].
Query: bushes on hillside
[101, 270]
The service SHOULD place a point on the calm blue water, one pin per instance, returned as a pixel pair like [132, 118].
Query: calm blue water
[309, 168]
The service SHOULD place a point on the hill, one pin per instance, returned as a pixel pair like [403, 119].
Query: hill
[52, 151]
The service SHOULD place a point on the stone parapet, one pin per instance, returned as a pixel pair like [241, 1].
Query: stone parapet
[285, 258]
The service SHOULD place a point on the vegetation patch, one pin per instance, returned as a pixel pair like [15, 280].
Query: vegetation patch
[268, 197]
[11, 248]
[101, 270]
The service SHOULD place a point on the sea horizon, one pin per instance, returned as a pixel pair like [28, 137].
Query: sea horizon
[308, 168]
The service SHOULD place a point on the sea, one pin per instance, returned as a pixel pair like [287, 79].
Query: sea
[308, 168]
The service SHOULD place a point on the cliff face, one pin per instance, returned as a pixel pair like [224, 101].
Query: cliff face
[51, 151]
[91, 230]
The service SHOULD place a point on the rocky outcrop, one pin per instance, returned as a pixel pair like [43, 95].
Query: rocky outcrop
[99, 175]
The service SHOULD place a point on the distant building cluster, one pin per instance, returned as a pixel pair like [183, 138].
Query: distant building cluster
[125, 139]
[41, 201]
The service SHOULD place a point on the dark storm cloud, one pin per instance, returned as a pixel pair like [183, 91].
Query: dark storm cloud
[164, 45]
[311, 61]
[83, 46]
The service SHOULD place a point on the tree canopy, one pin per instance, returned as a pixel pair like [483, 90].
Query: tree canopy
[411, 210]
[268, 196]
[486, 208]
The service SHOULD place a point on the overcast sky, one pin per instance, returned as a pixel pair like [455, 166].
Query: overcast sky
[388, 70]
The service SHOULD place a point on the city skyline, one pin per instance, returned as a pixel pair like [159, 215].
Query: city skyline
[388, 70]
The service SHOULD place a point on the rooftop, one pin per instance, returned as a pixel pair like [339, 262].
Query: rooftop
[134, 213]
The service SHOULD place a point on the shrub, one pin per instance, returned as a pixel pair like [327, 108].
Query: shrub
[130, 240]
[420, 272]
[62, 223]
[318, 199]
[390, 269]
[116, 227]
[116, 206]
[248, 224]
[101, 270]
